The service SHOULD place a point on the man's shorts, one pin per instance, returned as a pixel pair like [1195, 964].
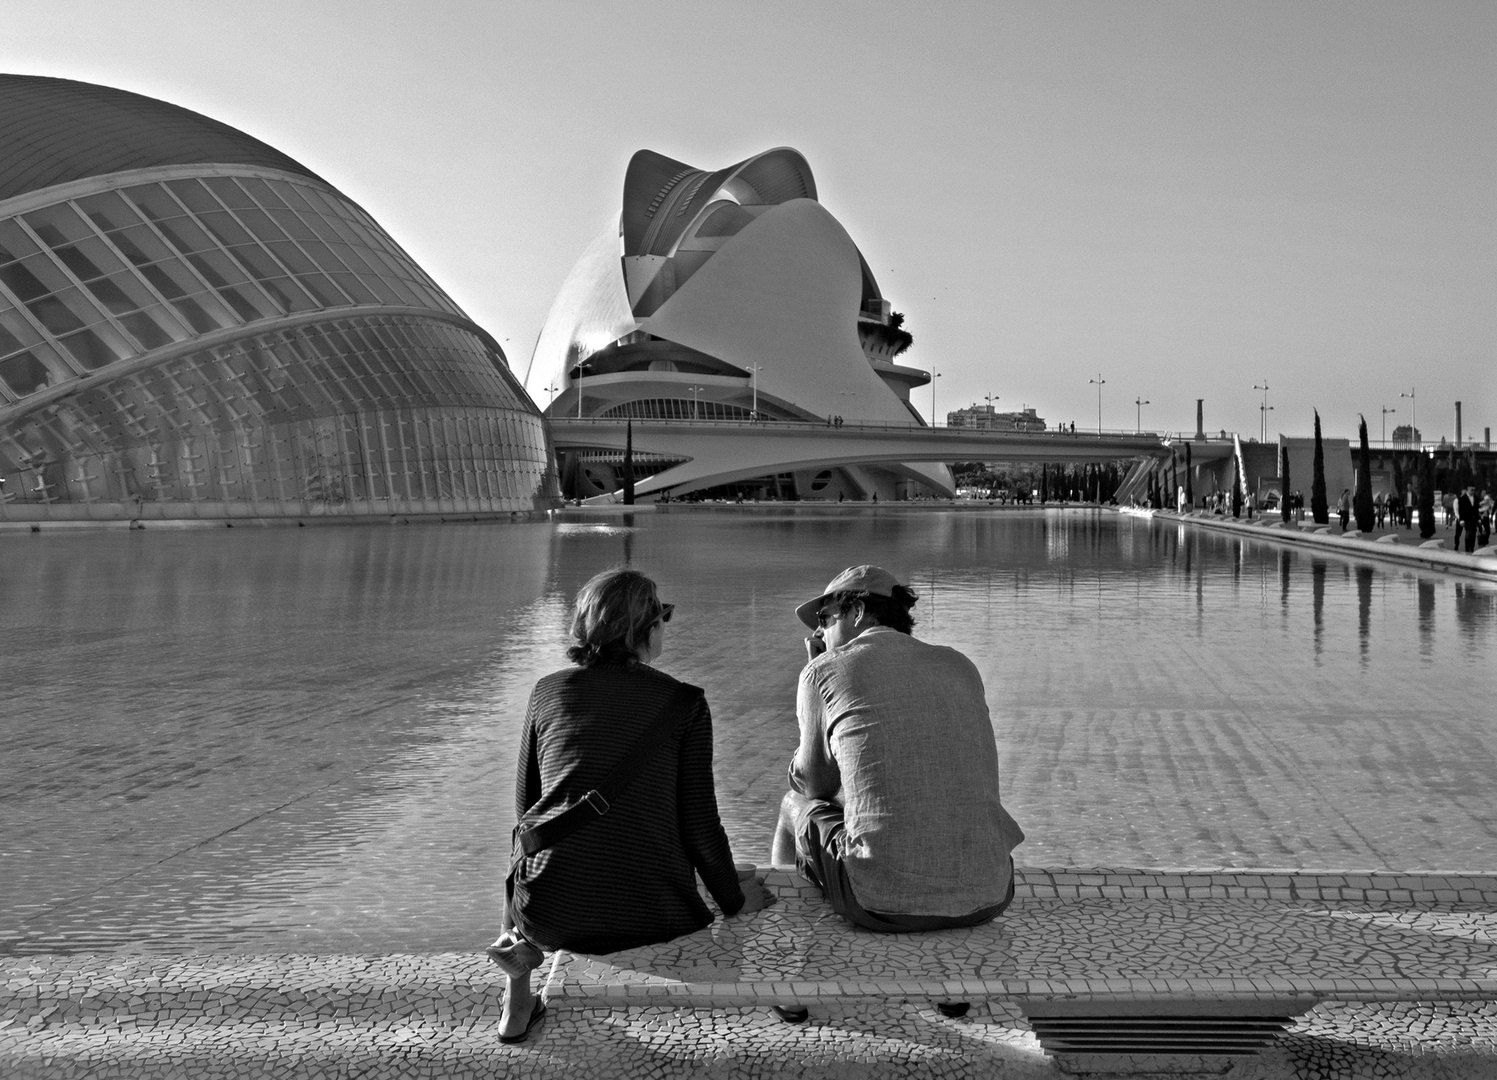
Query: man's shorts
[819, 837]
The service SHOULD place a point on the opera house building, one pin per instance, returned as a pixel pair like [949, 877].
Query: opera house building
[727, 297]
[193, 325]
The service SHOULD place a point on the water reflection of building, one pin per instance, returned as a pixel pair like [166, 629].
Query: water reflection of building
[725, 296]
[192, 324]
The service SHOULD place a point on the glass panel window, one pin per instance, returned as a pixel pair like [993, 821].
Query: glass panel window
[292, 258]
[46, 270]
[291, 194]
[292, 225]
[197, 315]
[62, 312]
[115, 300]
[320, 287]
[9, 343]
[380, 288]
[232, 195]
[22, 282]
[24, 374]
[261, 191]
[58, 224]
[155, 202]
[194, 195]
[89, 259]
[225, 228]
[259, 223]
[91, 349]
[108, 211]
[322, 255]
[140, 245]
[145, 330]
[354, 288]
[184, 235]
[244, 301]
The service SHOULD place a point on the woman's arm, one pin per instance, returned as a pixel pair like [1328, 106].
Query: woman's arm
[528, 769]
[696, 801]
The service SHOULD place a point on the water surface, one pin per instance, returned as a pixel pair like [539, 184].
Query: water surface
[304, 739]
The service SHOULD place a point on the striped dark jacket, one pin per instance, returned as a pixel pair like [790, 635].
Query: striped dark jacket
[627, 878]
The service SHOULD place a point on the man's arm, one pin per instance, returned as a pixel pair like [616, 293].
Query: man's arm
[813, 770]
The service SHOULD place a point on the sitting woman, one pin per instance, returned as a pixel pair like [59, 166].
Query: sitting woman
[623, 753]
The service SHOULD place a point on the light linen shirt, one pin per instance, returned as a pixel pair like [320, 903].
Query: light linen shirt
[897, 732]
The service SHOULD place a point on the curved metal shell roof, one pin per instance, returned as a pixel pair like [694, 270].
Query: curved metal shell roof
[53, 131]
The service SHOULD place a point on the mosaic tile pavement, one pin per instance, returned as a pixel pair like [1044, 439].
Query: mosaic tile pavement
[1407, 986]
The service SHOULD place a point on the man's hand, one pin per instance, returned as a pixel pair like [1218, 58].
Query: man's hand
[815, 646]
[756, 896]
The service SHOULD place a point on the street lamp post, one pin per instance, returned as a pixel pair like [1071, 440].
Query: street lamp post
[552, 391]
[1413, 416]
[1138, 420]
[1263, 411]
[1386, 411]
[695, 390]
[934, 375]
[990, 398]
[754, 370]
[1099, 381]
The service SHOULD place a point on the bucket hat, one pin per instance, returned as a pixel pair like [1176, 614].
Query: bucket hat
[869, 579]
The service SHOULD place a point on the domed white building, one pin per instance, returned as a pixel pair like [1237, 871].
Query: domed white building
[193, 325]
[727, 297]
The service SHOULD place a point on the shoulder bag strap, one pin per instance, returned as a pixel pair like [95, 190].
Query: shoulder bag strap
[534, 838]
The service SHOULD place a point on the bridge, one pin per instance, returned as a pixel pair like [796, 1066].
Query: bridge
[726, 451]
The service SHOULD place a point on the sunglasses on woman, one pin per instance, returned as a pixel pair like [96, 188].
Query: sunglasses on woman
[666, 611]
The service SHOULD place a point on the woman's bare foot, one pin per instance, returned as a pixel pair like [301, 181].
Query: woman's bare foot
[519, 1002]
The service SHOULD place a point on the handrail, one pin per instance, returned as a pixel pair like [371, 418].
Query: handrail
[867, 425]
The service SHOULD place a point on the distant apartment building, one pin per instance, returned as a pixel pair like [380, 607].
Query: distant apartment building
[987, 418]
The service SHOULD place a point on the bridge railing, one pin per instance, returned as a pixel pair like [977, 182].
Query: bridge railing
[852, 424]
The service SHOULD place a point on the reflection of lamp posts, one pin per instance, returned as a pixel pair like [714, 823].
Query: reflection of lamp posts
[754, 370]
[1386, 411]
[1413, 416]
[694, 391]
[581, 366]
[1099, 381]
[1138, 417]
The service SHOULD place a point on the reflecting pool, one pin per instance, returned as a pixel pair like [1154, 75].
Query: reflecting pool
[304, 739]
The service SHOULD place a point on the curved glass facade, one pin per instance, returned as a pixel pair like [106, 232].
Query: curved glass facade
[238, 339]
[90, 281]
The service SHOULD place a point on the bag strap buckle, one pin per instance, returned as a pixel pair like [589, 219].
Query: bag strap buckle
[595, 799]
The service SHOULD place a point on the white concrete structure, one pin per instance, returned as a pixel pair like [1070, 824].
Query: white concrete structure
[731, 295]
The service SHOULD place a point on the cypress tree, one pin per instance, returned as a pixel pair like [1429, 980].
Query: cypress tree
[1361, 502]
[1320, 511]
[1426, 496]
[629, 463]
[1236, 487]
[1284, 483]
[1190, 493]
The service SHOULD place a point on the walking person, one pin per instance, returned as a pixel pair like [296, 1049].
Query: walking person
[614, 800]
[1468, 518]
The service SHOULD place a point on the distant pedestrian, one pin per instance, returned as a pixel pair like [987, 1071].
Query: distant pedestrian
[1469, 517]
[1343, 507]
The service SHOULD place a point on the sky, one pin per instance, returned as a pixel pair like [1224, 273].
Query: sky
[1184, 200]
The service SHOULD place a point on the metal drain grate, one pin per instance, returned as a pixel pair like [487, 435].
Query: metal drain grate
[1151, 1035]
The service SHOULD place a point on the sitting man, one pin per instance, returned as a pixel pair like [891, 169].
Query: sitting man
[893, 809]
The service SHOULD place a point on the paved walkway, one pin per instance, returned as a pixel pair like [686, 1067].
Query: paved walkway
[695, 1007]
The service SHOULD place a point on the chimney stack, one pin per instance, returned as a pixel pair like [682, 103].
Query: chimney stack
[1457, 423]
[1200, 419]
